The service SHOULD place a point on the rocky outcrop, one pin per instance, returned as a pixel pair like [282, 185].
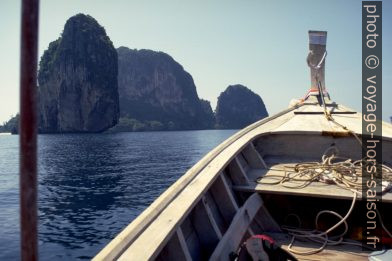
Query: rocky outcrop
[78, 90]
[238, 107]
[11, 126]
[209, 114]
[154, 87]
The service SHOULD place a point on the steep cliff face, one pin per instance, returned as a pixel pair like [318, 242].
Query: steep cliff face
[78, 89]
[154, 87]
[209, 114]
[238, 107]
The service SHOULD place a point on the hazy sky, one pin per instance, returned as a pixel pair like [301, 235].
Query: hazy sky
[260, 44]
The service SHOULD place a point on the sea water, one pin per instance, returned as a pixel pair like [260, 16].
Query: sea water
[92, 185]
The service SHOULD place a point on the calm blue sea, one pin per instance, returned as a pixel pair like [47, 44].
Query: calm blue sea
[92, 185]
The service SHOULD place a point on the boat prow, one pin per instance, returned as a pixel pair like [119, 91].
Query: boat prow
[232, 192]
[293, 178]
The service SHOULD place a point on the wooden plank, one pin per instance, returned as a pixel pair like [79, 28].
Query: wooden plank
[331, 253]
[237, 173]
[244, 164]
[238, 227]
[194, 246]
[176, 248]
[223, 196]
[255, 228]
[253, 157]
[318, 123]
[186, 227]
[191, 239]
[216, 212]
[206, 228]
[308, 146]
[213, 220]
[183, 244]
[321, 112]
[254, 174]
[228, 188]
[265, 221]
[315, 189]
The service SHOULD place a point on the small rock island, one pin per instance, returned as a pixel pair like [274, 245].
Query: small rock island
[238, 107]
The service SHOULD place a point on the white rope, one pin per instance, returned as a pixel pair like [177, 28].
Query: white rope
[345, 174]
[322, 236]
[342, 172]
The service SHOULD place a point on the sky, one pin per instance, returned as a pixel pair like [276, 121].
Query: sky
[260, 44]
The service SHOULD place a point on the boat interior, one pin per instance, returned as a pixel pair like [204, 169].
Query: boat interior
[237, 191]
[293, 179]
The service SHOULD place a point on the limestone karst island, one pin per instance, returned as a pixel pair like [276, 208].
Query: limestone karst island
[87, 86]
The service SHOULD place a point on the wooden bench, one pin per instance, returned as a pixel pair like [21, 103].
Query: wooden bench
[333, 253]
[315, 189]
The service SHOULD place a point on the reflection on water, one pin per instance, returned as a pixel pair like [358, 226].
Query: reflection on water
[92, 186]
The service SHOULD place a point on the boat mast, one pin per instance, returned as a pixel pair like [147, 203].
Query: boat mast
[28, 130]
[316, 62]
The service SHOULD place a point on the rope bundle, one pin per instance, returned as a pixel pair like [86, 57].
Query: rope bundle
[332, 169]
[321, 236]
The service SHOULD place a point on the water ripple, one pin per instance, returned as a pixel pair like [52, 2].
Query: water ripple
[92, 186]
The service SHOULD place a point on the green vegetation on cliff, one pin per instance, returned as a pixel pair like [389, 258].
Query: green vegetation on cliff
[238, 107]
[12, 125]
[126, 124]
[154, 87]
[86, 85]
[78, 89]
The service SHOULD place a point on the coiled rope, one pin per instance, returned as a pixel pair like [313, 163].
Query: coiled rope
[332, 169]
[320, 236]
[345, 173]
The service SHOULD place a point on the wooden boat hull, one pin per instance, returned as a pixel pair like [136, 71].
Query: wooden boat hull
[217, 204]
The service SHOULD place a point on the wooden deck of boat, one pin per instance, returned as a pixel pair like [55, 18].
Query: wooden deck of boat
[314, 189]
[310, 118]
